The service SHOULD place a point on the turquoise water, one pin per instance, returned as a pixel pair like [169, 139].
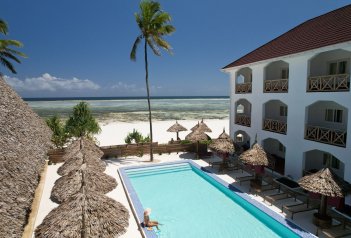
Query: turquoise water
[188, 205]
[135, 109]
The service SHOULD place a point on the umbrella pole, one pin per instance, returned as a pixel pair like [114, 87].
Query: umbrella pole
[178, 136]
[197, 149]
[323, 206]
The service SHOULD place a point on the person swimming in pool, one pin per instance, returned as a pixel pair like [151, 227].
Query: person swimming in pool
[147, 221]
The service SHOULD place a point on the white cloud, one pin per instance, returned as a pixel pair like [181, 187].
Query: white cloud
[133, 88]
[47, 82]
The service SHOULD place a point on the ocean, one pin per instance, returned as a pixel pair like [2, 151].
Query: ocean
[129, 109]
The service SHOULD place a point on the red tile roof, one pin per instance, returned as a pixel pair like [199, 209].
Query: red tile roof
[328, 29]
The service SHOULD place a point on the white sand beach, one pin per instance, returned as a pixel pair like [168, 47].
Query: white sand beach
[115, 133]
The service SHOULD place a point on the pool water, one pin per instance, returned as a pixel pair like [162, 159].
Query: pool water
[190, 203]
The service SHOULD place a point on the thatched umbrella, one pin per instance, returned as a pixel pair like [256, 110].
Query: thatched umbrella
[177, 128]
[224, 135]
[197, 136]
[85, 214]
[256, 156]
[326, 183]
[82, 144]
[76, 162]
[201, 126]
[222, 146]
[70, 184]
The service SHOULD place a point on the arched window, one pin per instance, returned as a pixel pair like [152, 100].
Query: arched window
[240, 108]
[240, 79]
[239, 138]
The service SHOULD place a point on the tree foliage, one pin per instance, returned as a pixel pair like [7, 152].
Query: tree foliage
[136, 137]
[59, 135]
[7, 53]
[81, 122]
[153, 25]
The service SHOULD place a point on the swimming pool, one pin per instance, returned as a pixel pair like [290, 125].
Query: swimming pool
[190, 202]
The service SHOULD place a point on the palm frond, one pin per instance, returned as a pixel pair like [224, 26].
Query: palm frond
[16, 52]
[166, 30]
[153, 46]
[3, 27]
[161, 18]
[6, 54]
[163, 44]
[15, 43]
[135, 47]
[7, 64]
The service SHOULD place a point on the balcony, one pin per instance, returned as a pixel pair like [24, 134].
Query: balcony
[276, 86]
[329, 83]
[243, 120]
[326, 135]
[243, 88]
[274, 126]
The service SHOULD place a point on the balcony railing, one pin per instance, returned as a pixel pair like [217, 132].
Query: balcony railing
[276, 86]
[243, 120]
[329, 83]
[326, 135]
[274, 126]
[243, 88]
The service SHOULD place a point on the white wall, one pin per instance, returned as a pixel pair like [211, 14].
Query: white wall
[297, 100]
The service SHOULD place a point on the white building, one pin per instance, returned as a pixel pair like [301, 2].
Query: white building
[294, 94]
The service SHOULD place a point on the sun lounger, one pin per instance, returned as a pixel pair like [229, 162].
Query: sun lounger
[301, 207]
[263, 188]
[336, 231]
[276, 197]
[244, 179]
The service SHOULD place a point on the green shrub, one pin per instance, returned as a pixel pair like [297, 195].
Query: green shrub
[136, 137]
[185, 142]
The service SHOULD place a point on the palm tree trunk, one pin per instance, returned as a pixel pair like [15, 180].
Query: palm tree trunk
[148, 98]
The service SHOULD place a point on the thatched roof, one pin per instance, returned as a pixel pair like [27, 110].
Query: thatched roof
[224, 135]
[222, 145]
[325, 182]
[87, 146]
[197, 136]
[24, 142]
[74, 163]
[255, 156]
[201, 126]
[176, 128]
[101, 216]
[70, 184]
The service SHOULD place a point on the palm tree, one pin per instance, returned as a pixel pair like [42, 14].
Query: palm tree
[7, 53]
[153, 24]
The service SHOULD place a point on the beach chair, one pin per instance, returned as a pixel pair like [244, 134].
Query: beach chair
[276, 197]
[301, 207]
[263, 188]
[335, 231]
[243, 179]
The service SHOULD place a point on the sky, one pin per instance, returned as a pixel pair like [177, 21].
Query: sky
[82, 47]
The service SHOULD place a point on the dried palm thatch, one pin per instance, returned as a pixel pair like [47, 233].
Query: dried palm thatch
[222, 146]
[24, 142]
[197, 135]
[224, 135]
[74, 163]
[84, 145]
[70, 184]
[201, 126]
[177, 128]
[325, 182]
[85, 214]
[255, 156]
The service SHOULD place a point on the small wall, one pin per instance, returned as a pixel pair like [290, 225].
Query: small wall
[55, 156]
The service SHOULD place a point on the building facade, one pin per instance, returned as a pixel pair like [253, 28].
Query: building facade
[293, 95]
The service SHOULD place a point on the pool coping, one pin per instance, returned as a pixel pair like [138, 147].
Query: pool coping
[138, 209]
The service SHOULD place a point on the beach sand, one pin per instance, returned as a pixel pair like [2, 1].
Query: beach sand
[114, 133]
